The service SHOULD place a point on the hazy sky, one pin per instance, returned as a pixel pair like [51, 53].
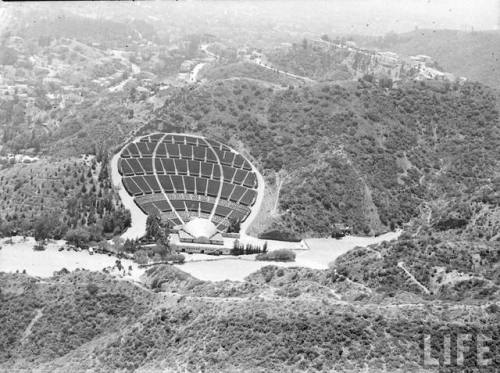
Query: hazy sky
[374, 17]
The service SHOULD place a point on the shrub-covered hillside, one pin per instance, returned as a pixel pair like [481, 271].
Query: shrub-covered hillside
[360, 154]
[453, 253]
[277, 320]
[49, 197]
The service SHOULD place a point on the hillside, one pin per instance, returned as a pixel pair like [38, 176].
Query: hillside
[53, 196]
[337, 60]
[474, 55]
[358, 153]
[279, 320]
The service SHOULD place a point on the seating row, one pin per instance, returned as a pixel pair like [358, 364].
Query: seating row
[141, 166]
[190, 209]
[184, 139]
[187, 152]
[155, 197]
[148, 184]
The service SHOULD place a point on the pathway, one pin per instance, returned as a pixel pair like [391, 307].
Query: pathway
[295, 76]
[138, 217]
[27, 331]
[158, 179]
[221, 171]
[413, 279]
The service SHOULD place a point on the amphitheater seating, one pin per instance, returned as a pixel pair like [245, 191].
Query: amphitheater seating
[179, 177]
[136, 166]
[161, 151]
[206, 170]
[173, 150]
[125, 153]
[153, 184]
[132, 148]
[186, 151]
[199, 153]
[237, 193]
[250, 180]
[228, 173]
[156, 137]
[211, 158]
[181, 166]
[131, 187]
[201, 185]
[249, 197]
[146, 164]
[194, 168]
[158, 166]
[189, 183]
[227, 189]
[212, 188]
[239, 177]
[238, 161]
[141, 183]
[163, 206]
[178, 183]
[124, 168]
[168, 165]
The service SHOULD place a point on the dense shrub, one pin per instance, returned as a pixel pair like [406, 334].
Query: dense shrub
[175, 258]
[279, 235]
[281, 255]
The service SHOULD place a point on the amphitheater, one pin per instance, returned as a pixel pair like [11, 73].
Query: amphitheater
[199, 186]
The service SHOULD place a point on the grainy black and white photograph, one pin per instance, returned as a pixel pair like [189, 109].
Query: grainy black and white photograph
[233, 186]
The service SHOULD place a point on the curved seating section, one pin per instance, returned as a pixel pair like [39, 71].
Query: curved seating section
[179, 176]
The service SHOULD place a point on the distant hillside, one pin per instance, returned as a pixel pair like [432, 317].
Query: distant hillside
[474, 55]
[358, 154]
[335, 60]
[101, 31]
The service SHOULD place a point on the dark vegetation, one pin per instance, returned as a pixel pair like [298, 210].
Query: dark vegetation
[247, 249]
[281, 255]
[280, 235]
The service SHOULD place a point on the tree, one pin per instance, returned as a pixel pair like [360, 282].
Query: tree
[234, 226]
[118, 243]
[43, 228]
[131, 246]
[153, 230]
[103, 245]
[141, 257]
[78, 237]
[385, 82]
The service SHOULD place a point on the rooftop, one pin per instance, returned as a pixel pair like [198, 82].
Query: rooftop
[199, 227]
